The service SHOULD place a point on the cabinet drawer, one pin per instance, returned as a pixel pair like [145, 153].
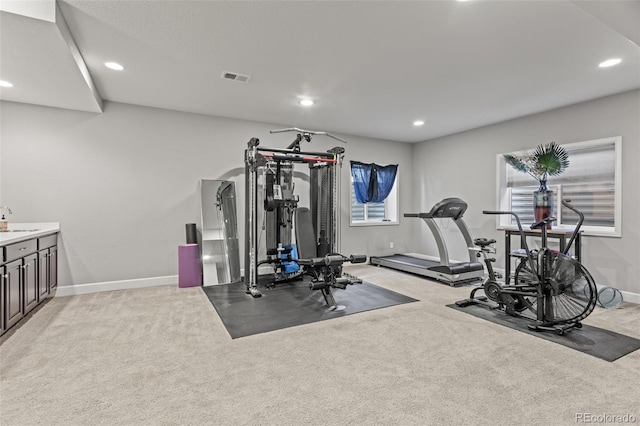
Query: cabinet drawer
[48, 241]
[18, 250]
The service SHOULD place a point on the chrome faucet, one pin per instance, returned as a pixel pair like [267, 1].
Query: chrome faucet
[5, 208]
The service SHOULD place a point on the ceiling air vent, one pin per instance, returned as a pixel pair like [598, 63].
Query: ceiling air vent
[235, 77]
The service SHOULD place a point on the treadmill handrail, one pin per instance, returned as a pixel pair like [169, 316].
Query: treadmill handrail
[423, 216]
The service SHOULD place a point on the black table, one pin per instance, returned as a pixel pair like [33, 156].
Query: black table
[563, 235]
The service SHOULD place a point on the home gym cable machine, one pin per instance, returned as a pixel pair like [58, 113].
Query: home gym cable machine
[316, 228]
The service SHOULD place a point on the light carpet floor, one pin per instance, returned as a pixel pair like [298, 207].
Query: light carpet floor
[161, 356]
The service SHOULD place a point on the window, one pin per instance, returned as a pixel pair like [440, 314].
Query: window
[385, 213]
[592, 182]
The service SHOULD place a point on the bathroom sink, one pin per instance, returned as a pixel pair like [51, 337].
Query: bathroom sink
[20, 230]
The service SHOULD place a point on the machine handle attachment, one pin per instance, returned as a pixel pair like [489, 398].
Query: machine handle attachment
[307, 132]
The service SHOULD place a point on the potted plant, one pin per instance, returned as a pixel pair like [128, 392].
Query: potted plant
[546, 160]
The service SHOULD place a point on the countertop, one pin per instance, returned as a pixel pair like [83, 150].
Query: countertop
[27, 231]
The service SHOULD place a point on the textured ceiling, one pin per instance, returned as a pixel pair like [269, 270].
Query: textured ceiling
[371, 67]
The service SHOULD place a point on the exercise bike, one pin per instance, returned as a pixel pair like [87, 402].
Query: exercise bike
[552, 285]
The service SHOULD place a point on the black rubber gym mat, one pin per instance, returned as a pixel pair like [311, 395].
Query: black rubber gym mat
[292, 304]
[603, 344]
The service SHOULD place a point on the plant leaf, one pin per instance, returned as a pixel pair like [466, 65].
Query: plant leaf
[551, 159]
[516, 163]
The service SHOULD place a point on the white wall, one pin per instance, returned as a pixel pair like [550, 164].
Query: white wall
[464, 165]
[123, 183]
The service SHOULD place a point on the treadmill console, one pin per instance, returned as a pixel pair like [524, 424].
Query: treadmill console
[449, 207]
[453, 208]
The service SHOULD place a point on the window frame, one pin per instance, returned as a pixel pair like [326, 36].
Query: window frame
[503, 195]
[391, 206]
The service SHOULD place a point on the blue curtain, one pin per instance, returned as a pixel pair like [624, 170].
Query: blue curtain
[372, 183]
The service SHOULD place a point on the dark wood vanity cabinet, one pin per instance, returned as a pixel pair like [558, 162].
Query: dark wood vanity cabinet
[47, 266]
[13, 294]
[53, 268]
[2, 278]
[29, 275]
[43, 272]
[30, 282]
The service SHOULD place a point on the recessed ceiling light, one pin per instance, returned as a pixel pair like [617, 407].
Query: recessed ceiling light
[418, 123]
[610, 62]
[5, 84]
[306, 102]
[114, 66]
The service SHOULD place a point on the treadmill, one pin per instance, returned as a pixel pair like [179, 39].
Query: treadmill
[445, 271]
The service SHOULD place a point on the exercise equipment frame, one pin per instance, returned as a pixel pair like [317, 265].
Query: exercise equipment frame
[320, 259]
[555, 287]
[445, 270]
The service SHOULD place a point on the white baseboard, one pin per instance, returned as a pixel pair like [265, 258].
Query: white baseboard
[72, 290]
[77, 289]
[627, 296]
[262, 270]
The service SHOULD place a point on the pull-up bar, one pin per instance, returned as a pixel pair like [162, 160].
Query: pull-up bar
[299, 158]
[293, 152]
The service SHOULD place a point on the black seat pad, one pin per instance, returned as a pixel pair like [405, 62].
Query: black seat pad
[305, 234]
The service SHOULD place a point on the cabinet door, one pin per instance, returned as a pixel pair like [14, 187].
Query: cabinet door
[30, 282]
[53, 268]
[13, 293]
[43, 274]
[3, 280]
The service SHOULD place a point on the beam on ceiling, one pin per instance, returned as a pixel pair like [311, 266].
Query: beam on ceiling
[77, 57]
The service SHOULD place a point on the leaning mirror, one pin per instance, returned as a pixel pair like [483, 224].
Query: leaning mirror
[219, 230]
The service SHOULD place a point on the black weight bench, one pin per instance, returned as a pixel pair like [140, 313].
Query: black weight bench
[325, 271]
